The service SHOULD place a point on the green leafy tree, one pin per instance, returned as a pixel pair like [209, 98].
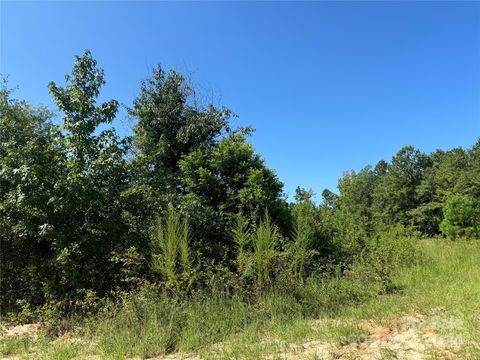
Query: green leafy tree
[31, 163]
[353, 211]
[431, 192]
[462, 218]
[329, 198]
[219, 183]
[187, 154]
[170, 125]
[88, 201]
[395, 195]
[77, 100]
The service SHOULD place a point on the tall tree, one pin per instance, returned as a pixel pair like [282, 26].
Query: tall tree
[89, 195]
[395, 194]
[171, 125]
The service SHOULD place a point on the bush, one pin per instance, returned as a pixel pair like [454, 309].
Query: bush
[386, 253]
[461, 218]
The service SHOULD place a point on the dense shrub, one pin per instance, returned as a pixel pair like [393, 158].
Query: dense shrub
[462, 217]
[386, 253]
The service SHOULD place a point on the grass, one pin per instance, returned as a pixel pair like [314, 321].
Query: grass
[445, 284]
[63, 351]
[15, 345]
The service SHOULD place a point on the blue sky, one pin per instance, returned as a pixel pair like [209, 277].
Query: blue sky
[329, 86]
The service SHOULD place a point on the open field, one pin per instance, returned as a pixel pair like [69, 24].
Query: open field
[434, 312]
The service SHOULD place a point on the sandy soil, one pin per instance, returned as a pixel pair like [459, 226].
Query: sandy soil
[412, 337]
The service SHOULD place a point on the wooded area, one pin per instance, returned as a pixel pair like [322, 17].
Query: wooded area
[187, 205]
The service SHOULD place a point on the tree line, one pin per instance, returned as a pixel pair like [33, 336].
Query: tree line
[186, 199]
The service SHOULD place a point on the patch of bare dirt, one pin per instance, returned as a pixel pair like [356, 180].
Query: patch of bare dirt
[410, 338]
[20, 330]
[312, 349]
[413, 337]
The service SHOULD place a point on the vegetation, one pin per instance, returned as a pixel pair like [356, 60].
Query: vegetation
[462, 217]
[325, 310]
[180, 236]
[171, 254]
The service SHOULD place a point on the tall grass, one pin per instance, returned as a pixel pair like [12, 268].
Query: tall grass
[150, 324]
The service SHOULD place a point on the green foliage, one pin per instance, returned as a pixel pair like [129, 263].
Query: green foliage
[171, 125]
[87, 207]
[170, 250]
[148, 324]
[264, 250]
[386, 253]
[302, 250]
[242, 237]
[61, 197]
[130, 265]
[221, 182]
[353, 211]
[30, 166]
[64, 351]
[78, 206]
[14, 346]
[411, 191]
[77, 100]
[395, 193]
[145, 326]
[462, 218]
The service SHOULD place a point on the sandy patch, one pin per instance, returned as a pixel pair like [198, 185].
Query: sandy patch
[410, 338]
[20, 330]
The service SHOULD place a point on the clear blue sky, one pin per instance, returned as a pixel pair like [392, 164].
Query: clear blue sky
[328, 86]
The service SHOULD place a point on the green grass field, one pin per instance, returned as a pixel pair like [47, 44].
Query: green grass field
[434, 311]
